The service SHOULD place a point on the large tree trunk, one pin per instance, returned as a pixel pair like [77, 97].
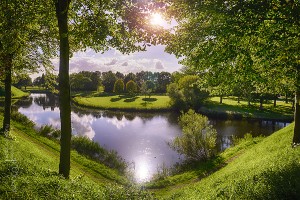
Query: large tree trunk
[296, 138]
[7, 103]
[64, 88]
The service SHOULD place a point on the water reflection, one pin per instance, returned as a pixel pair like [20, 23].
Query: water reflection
[140, 138]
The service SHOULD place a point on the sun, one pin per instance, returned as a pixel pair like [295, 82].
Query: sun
[157, 19]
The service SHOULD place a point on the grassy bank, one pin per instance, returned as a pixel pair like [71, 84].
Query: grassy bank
[269, 169]
[124, 102]
[29, 165]
[16, 93]
[231, 108]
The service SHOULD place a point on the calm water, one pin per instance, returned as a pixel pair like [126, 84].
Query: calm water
[140, 138]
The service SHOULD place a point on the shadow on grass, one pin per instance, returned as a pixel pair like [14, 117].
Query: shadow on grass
[115, 99]
[131, 99]
[149, 99]
[145, 104]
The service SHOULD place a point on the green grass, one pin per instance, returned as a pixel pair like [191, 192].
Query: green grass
[230, 107]
[267, 170]
[29, 165]
[16, 93]
[125, 102]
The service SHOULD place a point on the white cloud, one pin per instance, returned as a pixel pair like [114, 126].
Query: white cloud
[154, 59]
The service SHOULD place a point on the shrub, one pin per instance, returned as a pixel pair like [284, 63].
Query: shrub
[19, 117]
[198, 139]
[49, 132]
[93, 150]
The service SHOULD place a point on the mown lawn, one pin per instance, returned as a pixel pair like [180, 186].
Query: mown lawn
[125, 102]
[230, 106]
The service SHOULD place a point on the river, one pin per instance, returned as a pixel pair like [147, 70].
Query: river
[138, 137]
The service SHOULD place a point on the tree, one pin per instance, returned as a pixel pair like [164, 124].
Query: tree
[119, 86]
[252, 37]
[131, 87]
[99, 25]
[198, 139]
[147, 88]
[23, 81]
[163, 79]
[24, 46]
[108, 81]
[187, 93]
[129, 77]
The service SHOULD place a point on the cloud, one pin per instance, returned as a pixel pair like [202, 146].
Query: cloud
[159, 65]
[154, 59]
[112, 62]
[125, 64]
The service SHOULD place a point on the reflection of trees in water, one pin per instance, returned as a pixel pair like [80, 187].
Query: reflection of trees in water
[223, 142]
[24, 102]
[48, 101]
[172, 117]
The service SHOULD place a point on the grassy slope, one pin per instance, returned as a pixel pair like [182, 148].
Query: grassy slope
[231, 106]
[125, 102]
[29, 165]
[16, 93]
[268, 170]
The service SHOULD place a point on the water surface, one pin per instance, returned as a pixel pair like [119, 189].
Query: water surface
[140, 138]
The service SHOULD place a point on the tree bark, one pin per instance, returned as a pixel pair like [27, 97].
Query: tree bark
[62, 7]
[296, 138]
[7, 58]
[221, 99]
[275, 99]
[261, 100]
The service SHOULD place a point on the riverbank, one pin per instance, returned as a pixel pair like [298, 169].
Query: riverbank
[257, 168]
[31, 173]
[125, 102]
[266, 168]
[16, 94]
[230, 108]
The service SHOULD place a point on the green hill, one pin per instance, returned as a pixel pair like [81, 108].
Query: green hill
[16, 93]
[268, 169]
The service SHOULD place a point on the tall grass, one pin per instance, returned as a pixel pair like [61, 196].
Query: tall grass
[93, 150]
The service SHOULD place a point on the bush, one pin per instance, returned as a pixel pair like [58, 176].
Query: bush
[93, 150]
[198, 139]
[19, 117]
[49, 132]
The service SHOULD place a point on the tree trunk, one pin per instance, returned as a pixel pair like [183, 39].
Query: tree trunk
[286, 98]
[238, 99]
[7, 103]
[275, 98]
[221, 99]
[261, 100]
[62, 7]
[296, 138]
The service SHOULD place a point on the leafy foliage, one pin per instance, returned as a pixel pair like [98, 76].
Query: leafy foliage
[198, 139]
[187, 93]
[131, 87]
[119, 86]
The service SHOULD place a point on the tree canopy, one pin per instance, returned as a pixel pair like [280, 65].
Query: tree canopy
[254, 41]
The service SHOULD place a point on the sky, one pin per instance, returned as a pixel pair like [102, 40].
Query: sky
[154, 59]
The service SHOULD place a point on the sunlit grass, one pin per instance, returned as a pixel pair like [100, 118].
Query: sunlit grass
[269, 169]
[125, 102]
[230, 105]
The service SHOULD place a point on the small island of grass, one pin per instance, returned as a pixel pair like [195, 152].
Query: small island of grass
[125, 102]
